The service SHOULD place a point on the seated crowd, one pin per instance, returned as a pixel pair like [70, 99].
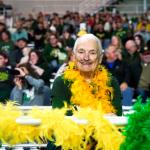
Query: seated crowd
[40, 48]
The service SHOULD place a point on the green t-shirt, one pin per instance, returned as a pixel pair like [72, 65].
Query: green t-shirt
[56, 53]
[122, 33]
[6, 84]
[6, 46]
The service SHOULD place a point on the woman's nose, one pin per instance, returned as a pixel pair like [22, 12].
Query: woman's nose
[86, 56]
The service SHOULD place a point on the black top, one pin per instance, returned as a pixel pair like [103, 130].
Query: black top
[119, 69]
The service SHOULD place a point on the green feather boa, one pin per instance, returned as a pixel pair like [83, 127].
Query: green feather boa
[137, 131]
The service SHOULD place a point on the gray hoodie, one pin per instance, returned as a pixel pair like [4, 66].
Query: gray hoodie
[37, 93]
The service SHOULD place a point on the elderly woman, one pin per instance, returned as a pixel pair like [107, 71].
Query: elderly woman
[86, 83]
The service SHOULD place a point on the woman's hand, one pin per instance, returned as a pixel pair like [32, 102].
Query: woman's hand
[23, 71]
[38, 70]
[18, 82]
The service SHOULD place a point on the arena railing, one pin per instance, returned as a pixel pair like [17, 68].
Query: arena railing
[116, 120]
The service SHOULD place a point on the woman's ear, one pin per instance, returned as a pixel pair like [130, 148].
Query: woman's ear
[101, 58]
[6, 60]
[72, 57]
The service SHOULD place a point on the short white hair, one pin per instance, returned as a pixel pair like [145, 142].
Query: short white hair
[87, 37]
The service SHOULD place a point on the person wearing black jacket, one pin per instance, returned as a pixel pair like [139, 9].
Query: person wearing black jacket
[132, 58]
[17, 54]
[120, 70]
[39, 63]
[6, 78]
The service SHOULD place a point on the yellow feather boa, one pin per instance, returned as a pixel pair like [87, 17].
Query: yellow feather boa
[96, 94]
[67, 133]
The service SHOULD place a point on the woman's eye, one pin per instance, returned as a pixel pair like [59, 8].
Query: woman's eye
[81, 52]
[93, 53]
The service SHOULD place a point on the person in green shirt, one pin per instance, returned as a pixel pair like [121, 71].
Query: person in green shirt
[6, 78]
[54, 53]
[86, 83]
[6, 44]
[120, 31]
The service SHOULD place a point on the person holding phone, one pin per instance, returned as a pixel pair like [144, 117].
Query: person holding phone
[28, 88]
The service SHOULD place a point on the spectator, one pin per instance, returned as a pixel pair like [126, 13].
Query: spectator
[65, 64]
[67, 40]
[100, 33]
[6, 44]
[79, 85]
[116, 41]
[143, 32]
[6, 78]
[119, 69]
[54, 53]
[38, 62]
[143, 21]
[19, 53]
[132, 58]
[144, 81]
[28, 88]
[20, 32]
[39, 35]
[120, 31]
[87, 54]
[2, 27]
[139, 42]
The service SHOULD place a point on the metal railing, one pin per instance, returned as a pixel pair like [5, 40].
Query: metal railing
[116, 120]
[22, 146]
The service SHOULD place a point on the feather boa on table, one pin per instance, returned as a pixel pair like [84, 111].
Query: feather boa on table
[55, 126]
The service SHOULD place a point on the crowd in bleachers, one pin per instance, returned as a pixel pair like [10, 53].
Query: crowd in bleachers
[35, 49]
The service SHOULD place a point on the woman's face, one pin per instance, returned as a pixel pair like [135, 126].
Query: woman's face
[3, 61]
[114, 26]
[66, 35]
[114, 41]
[137, 40]
[4, 36]
[87, 56]
[53, 40]
[33, 58]
[111, 53]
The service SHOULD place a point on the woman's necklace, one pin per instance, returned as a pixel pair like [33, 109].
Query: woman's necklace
[94, 93]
